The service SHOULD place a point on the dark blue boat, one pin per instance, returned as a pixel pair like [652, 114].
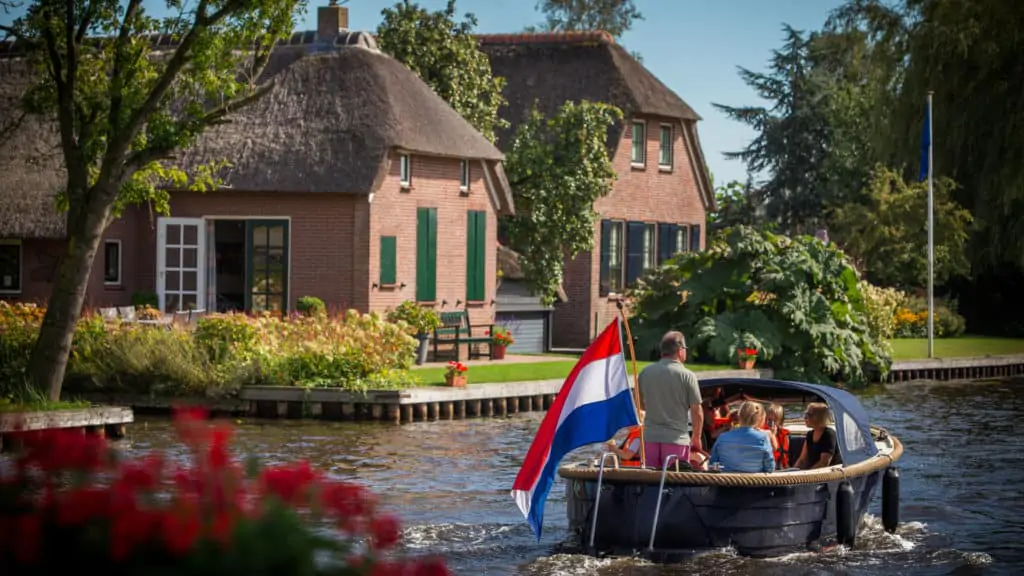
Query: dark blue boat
[670, 513]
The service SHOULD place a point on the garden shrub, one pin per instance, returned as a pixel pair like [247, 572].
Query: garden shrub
[911, 319]
[311, 306]
[414, 318]
[881, 306]
[797, 301]
[145, 299]
[222, 353]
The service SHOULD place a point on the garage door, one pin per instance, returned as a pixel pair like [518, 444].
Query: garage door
[528, 330]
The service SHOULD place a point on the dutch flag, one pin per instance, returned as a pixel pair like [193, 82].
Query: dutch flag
[594, 403]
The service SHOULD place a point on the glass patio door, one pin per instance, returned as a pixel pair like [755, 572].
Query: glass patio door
[180, 264]
[267, 265]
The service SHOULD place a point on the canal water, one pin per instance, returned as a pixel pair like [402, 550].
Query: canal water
[962, 488]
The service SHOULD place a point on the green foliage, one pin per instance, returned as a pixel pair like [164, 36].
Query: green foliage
[417, 319]
[968, 53]
[613, 16]
[224, 351]
[881, 306]
[797, 301]
[911, 319]
[143, 299]
[558, 167]
[886, 234]
[445, 55]
[311, 306]
[737, 206]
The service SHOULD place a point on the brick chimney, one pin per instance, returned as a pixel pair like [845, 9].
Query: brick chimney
[330, 20]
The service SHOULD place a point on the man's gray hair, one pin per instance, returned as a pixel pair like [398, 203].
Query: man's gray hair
[672, 342]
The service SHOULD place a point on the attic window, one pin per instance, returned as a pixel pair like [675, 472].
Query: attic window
[10, 266]
[405, 170]
[464, 176]
[639, 152]
[665, 147]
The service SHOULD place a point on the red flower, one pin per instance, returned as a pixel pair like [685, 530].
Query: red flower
[218, 454]
[28, 529]
[345, 499]
[385, 532]
[180, 532]
[83, 505]
[431, 567]
[222, 527]
[289, 482]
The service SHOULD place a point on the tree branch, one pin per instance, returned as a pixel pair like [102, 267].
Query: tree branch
[116, 79]
[83, 26]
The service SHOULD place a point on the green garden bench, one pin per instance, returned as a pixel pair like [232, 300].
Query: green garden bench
[456, 329]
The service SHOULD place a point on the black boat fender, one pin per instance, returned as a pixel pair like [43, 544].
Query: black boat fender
[846, 520]
[891, 499]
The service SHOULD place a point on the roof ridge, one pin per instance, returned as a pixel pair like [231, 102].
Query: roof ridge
[573, 37]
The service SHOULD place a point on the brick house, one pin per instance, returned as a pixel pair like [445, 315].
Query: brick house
[351, 181]
[663, 192]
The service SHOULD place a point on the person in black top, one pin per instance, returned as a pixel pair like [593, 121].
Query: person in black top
[821, 449]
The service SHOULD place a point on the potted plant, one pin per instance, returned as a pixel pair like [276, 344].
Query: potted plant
[501, 338]
[455, 376]
[747, 357]
[70, 500]
[421, 321]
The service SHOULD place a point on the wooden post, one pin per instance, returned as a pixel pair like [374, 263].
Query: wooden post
[448, 410]
[348, 411]
[407, 412]
[377, 411]
[488, 407]
[500, 406]
[282, 409]
[394, 414]
[526, 403]
[473, 408]
[460, 409]
[421, 412]
[434, 408]
[538, 403]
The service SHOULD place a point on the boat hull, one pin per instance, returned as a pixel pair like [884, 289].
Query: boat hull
[754, 520]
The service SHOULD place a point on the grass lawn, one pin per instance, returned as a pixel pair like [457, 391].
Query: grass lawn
[522, 372]
[7, 406]
[917, 348]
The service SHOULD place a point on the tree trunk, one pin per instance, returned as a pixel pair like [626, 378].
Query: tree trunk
[50, 355]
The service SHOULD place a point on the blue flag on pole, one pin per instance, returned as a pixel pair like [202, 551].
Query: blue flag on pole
[926, 141]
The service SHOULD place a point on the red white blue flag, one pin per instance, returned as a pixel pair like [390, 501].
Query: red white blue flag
[594, 403]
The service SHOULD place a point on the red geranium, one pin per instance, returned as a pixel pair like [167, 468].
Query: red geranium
[69, 502]
[747, 352]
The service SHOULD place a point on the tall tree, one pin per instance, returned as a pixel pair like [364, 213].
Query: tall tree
[446, 56]
[122, 110]
[885, 235]
[613, 16]
[792, 135]
[558, 167]
[968, 53]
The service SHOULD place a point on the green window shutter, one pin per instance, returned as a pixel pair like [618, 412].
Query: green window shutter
[426, 254]
[476, 256]
[388, 259]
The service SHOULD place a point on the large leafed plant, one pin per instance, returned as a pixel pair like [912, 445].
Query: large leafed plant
[796, 300]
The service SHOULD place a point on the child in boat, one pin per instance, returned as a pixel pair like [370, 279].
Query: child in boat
[629, 451]
[778, 435]
[746, 448]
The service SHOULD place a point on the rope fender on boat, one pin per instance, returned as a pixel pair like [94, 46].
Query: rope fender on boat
[650, 476]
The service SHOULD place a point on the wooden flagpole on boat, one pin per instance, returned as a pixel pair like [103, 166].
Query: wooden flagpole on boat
[636, 383]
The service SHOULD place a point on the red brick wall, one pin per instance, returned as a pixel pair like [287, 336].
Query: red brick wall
[647, 194]
[434, 183]
[322, 243]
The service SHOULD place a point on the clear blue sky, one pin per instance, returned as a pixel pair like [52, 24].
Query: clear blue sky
[693, 46]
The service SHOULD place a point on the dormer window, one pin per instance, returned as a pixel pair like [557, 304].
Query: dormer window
[404, 171]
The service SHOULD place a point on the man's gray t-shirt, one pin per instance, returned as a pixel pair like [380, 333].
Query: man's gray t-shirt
[667, 390]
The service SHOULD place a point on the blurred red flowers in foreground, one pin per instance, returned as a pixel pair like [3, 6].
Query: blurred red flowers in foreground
[68, 501]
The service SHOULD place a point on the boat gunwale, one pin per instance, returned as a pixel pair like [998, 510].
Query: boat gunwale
[621, 475]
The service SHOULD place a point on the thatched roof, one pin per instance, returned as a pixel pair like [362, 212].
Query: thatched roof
[31, 165]
[510, 269]
[551, 68]
[338, 109]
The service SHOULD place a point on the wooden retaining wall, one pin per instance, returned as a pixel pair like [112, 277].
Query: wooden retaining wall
[947, 369]
[106, 421]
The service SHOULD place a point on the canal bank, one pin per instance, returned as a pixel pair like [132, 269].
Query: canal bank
[108, 421]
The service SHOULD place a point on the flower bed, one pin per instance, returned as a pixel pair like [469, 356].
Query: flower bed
[222, 353]
[70, 502]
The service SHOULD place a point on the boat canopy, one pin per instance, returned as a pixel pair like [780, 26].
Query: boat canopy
[852, 429]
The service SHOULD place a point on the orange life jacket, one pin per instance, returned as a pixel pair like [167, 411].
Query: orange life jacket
[633, 434]
[782, 454]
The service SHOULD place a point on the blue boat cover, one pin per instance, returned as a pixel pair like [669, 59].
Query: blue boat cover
[852, 429]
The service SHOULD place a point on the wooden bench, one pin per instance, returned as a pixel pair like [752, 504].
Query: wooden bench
[456, 329]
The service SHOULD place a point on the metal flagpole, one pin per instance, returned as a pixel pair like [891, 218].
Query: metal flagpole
[931, 238]
[636, 383]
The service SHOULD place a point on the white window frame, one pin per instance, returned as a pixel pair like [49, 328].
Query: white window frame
[120, 259]
[682, 238]
[643, 145]
[464, 176]
[405, 170]
[21, 264]
[619, 254]
[650, 250]
[662, 149]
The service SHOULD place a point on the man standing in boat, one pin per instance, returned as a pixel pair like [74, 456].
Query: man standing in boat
[671, 396]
